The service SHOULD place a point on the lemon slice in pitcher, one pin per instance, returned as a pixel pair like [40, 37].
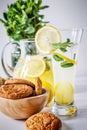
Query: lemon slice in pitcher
[45, 36]
[35, 68]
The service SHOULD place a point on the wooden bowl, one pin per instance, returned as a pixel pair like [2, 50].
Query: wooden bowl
[25, 107]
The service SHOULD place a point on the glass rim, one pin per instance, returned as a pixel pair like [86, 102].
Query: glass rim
[71, 29]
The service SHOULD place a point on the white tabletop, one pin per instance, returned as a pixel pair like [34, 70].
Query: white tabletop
[79, 122]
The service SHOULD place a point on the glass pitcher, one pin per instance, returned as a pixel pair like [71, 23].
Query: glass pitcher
[28, 63]
[33, 64]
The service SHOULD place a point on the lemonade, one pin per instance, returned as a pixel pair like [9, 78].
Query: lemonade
[64, 85]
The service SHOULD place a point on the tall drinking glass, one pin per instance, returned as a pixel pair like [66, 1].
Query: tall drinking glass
[65, 61]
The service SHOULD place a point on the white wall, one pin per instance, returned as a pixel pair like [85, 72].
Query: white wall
[62, 14]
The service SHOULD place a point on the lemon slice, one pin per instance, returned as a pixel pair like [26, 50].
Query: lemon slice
[34, 68]
[65, 58]
[64, 92]
[49, 87]
[45, 36]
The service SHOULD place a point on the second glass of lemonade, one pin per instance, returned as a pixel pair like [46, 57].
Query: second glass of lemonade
[65, 61]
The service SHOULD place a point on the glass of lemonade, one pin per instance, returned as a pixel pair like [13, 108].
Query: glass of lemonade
[65, 61]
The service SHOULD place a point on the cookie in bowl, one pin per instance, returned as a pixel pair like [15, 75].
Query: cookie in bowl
[15, 91]
[19, 99]
[43, 121]
[19, 81]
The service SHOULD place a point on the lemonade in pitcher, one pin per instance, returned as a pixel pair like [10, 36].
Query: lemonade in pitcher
[36, 65]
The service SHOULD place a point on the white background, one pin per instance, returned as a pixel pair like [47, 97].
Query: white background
[62, 14]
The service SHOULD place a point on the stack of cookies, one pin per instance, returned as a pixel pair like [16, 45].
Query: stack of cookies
[20, 88]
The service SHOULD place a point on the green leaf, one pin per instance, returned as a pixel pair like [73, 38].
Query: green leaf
[66, 64]
[5, 15]
[57, 58]
[62, 45]
[44, 7]
[24, 17]
[1, 20]
[18, 5]
[63, 49]
[30, 30]
[56, 46]
[20, 16]
[39, 2]
[68, 40]
[17, 37]
[10, 30]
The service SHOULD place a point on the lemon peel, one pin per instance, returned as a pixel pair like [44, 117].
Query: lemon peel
[65, 58]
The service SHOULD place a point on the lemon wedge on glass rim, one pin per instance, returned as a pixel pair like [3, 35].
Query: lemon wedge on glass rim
[45, 36]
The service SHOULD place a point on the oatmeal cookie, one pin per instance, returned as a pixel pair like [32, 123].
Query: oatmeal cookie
[38, 86]
[15, 91]
[43, 121]
[19, 81]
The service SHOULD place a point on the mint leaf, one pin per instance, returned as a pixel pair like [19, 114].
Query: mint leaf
[63, 49]
[57, 58]
[62, 45]
[66, 64]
